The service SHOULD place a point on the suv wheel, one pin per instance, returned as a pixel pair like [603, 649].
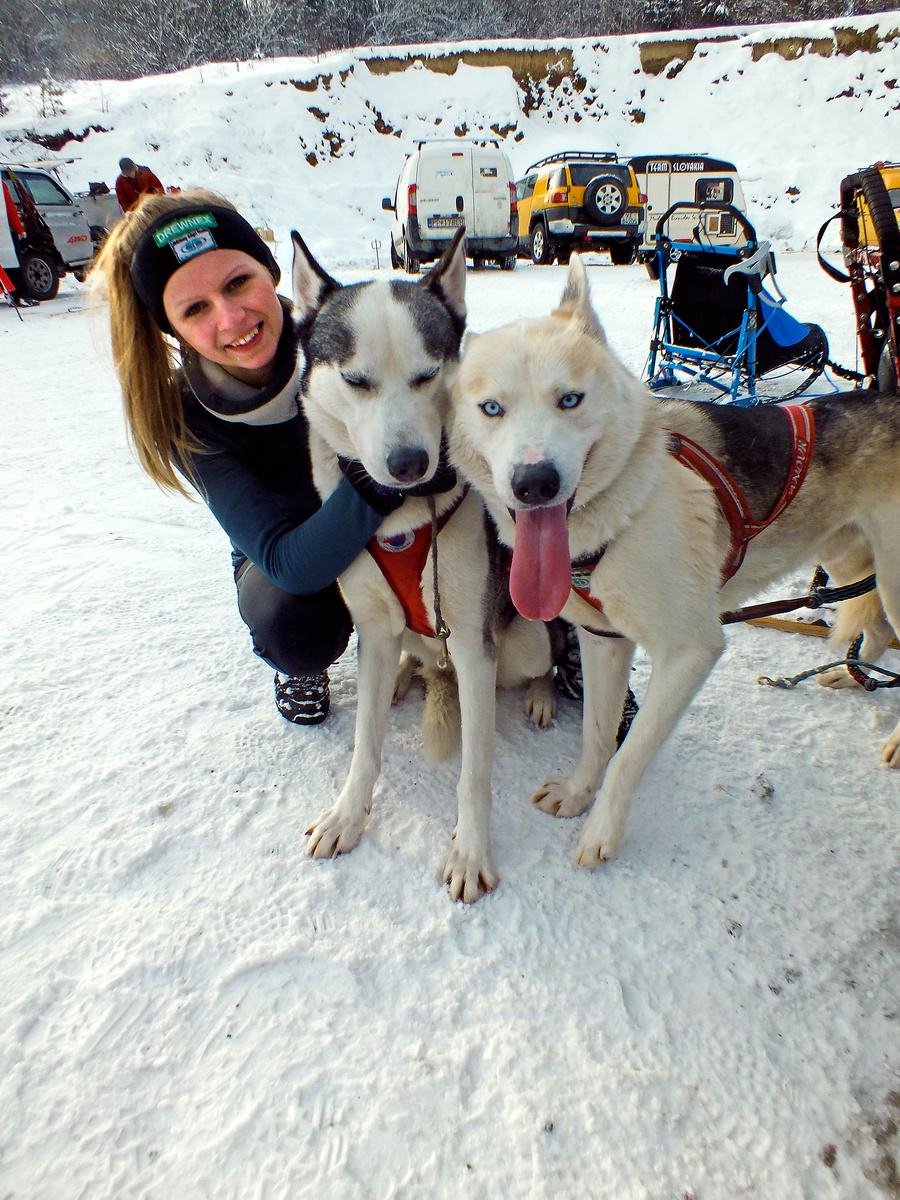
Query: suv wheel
[40, 280]
[605, 197]
[541, 252]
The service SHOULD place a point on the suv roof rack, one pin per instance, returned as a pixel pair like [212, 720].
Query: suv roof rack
[579, 155]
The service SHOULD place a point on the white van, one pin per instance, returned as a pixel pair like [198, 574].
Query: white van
[445, 184]
[668, 179]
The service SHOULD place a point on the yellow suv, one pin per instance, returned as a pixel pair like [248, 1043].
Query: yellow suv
[890, 173]
[580, 201]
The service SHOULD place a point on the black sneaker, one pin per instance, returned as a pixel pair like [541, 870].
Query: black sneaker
[567, 672]
[303, 700]
[629, 712]
[570, 682]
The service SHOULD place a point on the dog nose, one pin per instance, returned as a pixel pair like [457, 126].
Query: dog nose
[408, 464]
[535, 484]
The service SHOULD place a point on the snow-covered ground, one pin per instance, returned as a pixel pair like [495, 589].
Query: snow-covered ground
[192, 1007]
[189, 1005]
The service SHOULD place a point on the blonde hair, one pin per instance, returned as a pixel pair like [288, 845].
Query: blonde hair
[145, 360]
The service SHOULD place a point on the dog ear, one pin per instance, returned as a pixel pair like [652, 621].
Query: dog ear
[575, 303]
[448, 275]
[312, 285]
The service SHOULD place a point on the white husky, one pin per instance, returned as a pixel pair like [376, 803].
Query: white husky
[379, 360]
[600, 488]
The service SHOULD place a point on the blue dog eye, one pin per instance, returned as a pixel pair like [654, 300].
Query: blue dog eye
[571, 399]
[491, 408]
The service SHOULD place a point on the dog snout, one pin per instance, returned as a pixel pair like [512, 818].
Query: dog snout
[408, 464]
[537, 483]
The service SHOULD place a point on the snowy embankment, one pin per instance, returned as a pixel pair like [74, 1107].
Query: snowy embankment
[315, 144]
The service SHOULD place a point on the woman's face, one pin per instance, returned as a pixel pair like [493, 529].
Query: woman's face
[223, 303]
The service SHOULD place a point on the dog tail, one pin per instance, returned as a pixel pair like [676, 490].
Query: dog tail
[441, 722]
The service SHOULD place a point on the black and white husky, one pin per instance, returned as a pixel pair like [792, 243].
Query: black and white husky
[380, 357]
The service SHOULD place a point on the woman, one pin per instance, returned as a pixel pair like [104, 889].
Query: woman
[206, 354]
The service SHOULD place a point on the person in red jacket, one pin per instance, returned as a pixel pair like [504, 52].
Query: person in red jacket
[135, 181]
[12, 213]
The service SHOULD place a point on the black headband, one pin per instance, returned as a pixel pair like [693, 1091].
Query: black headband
[180, 235]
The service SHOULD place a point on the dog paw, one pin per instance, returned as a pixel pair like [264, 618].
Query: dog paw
[890, 751]
[332, 834]
[469, 875]
[837, 677]
[558, 798]
[406, 673]
[540, 702]
[599, 840]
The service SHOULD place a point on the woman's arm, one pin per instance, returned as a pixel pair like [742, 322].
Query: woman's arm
[301, 558]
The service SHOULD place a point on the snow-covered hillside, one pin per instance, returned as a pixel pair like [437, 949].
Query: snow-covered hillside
[316, 143]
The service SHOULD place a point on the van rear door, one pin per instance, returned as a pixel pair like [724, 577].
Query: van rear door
[491, 195]
[444, 191]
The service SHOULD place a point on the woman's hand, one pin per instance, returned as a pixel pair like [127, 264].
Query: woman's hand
[383, 499]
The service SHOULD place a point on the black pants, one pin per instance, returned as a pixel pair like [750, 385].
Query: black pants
[296, 635]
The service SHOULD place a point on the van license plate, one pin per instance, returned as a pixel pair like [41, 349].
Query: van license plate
[445, 222]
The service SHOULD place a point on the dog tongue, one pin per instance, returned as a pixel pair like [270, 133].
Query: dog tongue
[540, 577]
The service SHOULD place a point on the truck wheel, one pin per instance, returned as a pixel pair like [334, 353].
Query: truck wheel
[410, 262]
[395, 257]
[541, 252]
[40, 278]
[508, 262]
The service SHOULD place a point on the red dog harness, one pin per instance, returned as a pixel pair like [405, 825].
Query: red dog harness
[743, 525]
[732, 501]
[402, 558]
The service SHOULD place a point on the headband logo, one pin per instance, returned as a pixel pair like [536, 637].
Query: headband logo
[167, 234]
[192, 243]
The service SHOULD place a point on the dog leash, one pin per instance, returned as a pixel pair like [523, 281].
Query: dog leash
[818, 596]
[441, 630]
[854, 665]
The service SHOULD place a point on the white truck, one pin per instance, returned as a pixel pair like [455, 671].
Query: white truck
[668, 179]
[446, 184]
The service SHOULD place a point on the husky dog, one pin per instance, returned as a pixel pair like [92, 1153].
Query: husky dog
[582, 467]
[379, 361]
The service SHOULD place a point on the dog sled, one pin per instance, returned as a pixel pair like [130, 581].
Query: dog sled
[719, 333]
[870, 240]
